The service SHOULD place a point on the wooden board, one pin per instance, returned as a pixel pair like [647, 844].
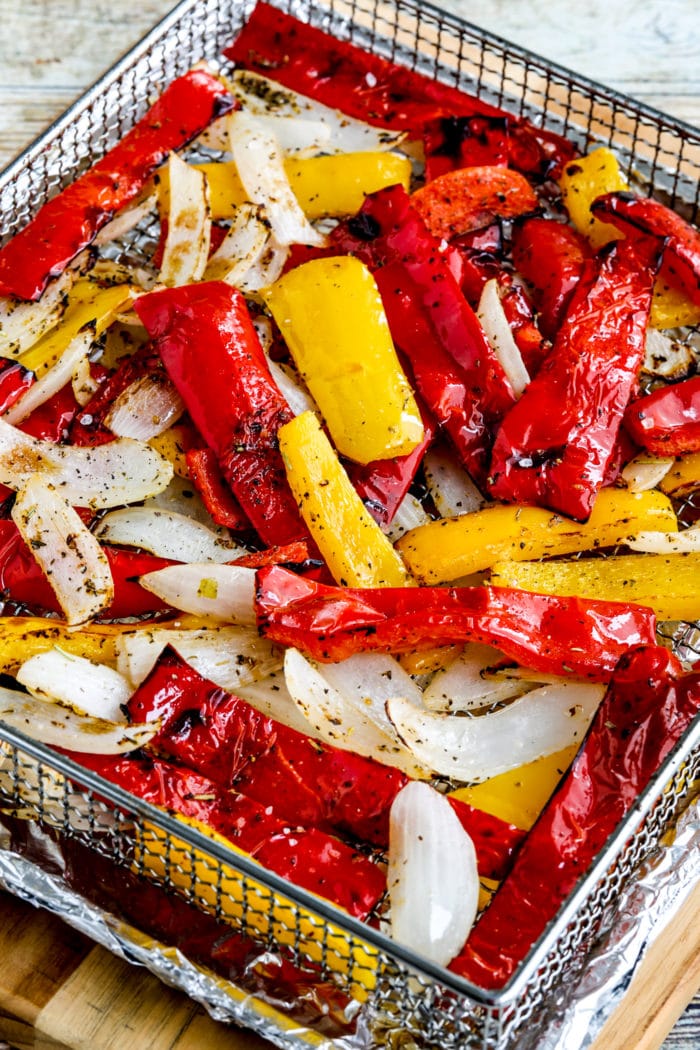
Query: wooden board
[59, 991]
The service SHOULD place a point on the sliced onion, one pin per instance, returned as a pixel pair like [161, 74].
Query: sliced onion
[72, 560]
[89, 688]
[266, 269]
[54, 380]
[410, 513]
[291, 386]
[665, 357]
[432, 874]
[167, 535]
[187, 242]
[266, 98]
[685, 542]
[498, 332]
[259, 161]
[126, 220]
[84, 386]
[476, 748]
[271, 697]
[121, 471]
[341, 720]
[145, 409]
[452, 490]
[62, 727]
[223, 592]
[462, 687]
[23, 324]
[231, 657]
[644, 472]
[246, 239]
[368, 680]
[182, 497]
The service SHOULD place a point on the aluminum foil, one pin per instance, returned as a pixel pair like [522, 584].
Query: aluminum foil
[575, 1014]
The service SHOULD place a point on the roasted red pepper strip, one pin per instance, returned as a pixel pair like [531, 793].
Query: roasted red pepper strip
[217, 497]
[667, 422]
[14, 381]
[211, 351]
[87, 427]
[546, 632]
[553, 447]
[343, 76]
[468, 198]
[520, 316]
[310, 858]
[631, 213]
[455, 370]
[480, 259]
[23, 581]
[382, 484]
[68, 222]
[304, 781]
[648, 706]
[552, 257]
[463, 142]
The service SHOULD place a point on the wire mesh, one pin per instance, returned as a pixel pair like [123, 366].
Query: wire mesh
[400, 993]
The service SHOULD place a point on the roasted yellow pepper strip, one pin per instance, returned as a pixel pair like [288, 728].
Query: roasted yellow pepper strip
[520, 795]
[250, 906]
[25, 636]
[356, 550]
[581, 182]
[172, 446]
[333, 185]
[453, 547]
[667, 583]
[332, 318]
[684, 475]
[88, 304]
[671, 307]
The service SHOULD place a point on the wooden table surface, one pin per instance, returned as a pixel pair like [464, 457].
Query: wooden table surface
[51, 50]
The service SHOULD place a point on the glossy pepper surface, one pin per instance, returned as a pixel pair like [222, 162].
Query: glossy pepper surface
[551, 634]
[211, 351]
[454, 368]
[69, 221]
[667, 421]
[554, 445]
[648, 706]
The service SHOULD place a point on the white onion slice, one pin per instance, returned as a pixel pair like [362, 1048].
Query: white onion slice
[259, 161]
[452, 490]
[61, 727]
[666, 357]
[432, 874]
[461, 685]
[266, 98]
[186, 248]
[145, 409]
[72, 560]
[341, 720]
[23, 324]
[126, 220]
[90, 688]
[84, 386]
[685, 542]
[644, 472]
[245, 241]
[266, 269]
[121, 471]
[167, 535]
[231, 657]
[409, 514]
[368, 680]
[271, 697]
[498, 332]
[476, 748]
[224, 592]
[54, 380]
[291, 386]
[182, 497]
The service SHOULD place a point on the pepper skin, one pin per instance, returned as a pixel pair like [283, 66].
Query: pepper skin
[648, 706]
[309, 857]
[203, 469]
[630, 213]
[552, 634]
[554, 445]
[211, 351]
[69, 221]
[23, 581]
[552, 257]
[15, 380]
[469, 198]
[667, 422]
[454, 368]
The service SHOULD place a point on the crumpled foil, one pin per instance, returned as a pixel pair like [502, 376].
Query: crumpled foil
[574, 1013]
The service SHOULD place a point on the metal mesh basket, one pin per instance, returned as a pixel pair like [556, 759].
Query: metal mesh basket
[401, 997]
